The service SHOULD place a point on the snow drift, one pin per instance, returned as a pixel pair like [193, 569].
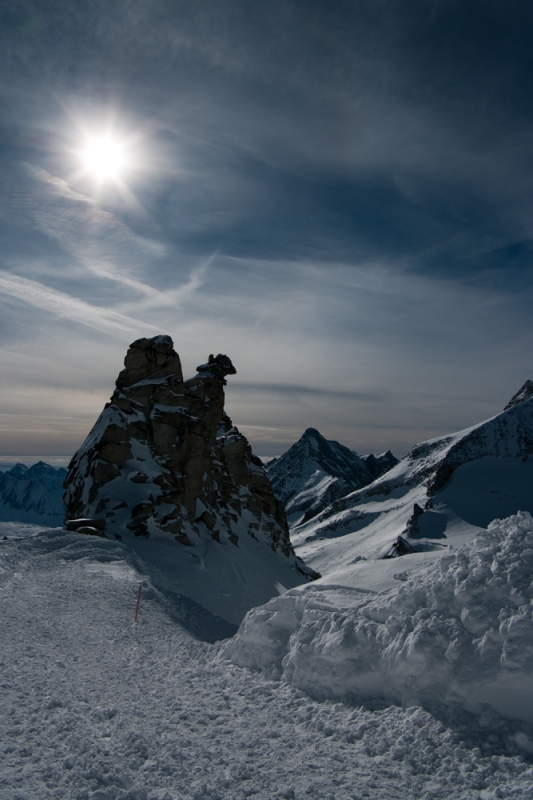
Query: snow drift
[459, 632]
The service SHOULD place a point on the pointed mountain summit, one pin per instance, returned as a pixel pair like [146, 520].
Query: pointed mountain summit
[525, 393]
[165, 470]
[316, 471]
[441, 493]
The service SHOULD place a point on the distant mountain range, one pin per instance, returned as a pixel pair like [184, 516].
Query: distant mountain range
[315, 472]
[441, 493]
[32, 494]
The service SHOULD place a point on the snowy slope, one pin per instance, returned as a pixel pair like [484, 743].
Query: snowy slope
[315, 471]
[96, 707]
[32, 495]
[440, 494]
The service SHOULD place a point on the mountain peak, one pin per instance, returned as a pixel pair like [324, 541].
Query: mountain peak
[525, 393]
[315, 471]
[312, 432]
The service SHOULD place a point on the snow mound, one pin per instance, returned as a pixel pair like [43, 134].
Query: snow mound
[459, 632]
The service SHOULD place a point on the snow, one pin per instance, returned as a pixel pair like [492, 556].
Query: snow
[96, 707]
[223, 578]
[457, 631]
[314, 472]
[490, 487]
[398, 678]
[460, 482]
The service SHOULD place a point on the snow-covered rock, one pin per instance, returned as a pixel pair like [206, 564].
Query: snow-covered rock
[460, 631]
[316, 471]
[164, 463]
[440, 493]
[32, 494]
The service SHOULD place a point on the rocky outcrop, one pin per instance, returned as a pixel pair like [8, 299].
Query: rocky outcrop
[164, 460]
[379, 465]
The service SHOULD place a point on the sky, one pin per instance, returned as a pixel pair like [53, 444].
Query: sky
[337, 194]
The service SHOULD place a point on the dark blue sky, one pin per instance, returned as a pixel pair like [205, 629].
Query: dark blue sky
[337, 194]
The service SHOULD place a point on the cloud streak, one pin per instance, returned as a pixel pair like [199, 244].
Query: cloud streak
[67, 307]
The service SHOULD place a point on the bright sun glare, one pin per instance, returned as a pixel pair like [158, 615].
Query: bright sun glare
[104, 158]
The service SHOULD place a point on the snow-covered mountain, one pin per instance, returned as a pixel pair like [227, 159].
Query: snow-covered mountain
[440, 493]
[32, 494]
[165, 470]
[316, 471]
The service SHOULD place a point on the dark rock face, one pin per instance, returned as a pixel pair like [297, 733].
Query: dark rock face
[525, 393]
[379, 465]
[165, 459]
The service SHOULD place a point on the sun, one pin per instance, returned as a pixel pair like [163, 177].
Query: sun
[104, 158]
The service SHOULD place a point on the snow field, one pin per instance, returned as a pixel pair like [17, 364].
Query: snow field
[95, 707]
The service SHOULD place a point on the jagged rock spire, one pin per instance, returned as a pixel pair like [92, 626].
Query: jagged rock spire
[164, 459]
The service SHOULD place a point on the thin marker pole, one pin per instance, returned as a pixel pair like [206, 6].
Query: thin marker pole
[138, 602]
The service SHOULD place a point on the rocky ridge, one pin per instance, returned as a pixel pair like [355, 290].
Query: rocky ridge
[164, 460]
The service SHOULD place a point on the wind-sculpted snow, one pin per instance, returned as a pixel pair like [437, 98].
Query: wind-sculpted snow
[459, 632]
[32, 495]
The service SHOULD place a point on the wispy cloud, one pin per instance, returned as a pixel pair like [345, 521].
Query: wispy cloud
[173, 297]
[72, 308]
[297, 391]
[107, 249]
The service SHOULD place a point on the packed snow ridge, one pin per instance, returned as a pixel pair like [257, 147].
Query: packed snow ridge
[165, 469]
